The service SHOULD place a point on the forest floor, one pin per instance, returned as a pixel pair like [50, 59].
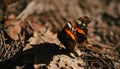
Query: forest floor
[29, 28]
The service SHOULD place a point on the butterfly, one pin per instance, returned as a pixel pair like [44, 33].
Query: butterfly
[74, 33]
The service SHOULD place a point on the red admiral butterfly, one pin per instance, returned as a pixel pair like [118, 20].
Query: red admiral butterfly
[74, 32]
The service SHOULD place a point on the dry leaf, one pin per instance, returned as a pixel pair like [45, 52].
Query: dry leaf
[13, 28]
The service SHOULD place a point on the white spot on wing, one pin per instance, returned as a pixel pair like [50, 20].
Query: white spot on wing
[70, 26]
[79, 22]
[84, 24]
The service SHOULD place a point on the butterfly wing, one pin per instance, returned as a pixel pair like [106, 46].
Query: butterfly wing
[67, 38]
[81, 30]
[74, 32]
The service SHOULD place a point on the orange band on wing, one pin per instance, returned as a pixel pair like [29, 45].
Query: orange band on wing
[80, 31]
[71, 35]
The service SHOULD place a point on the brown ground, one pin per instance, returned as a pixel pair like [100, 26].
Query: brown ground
[28, 30]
